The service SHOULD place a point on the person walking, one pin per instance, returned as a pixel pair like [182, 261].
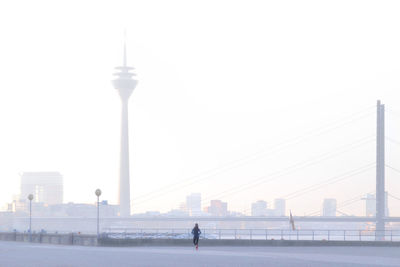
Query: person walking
[196, 234]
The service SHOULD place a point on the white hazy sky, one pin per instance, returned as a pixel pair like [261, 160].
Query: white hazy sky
[248, 82]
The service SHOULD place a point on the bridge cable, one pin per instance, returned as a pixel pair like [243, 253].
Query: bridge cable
[277, 147]
[335, 179]
[292, 168]
[295, 167]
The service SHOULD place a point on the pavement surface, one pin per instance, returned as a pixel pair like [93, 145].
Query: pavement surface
[25, 254]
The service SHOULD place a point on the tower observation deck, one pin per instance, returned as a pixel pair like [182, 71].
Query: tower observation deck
[125, 84]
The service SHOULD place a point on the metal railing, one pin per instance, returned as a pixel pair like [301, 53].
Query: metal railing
[256, 234]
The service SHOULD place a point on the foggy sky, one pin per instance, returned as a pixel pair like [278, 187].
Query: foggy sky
[218, 81]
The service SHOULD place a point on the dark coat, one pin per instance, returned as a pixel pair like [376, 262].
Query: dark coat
[196, 231]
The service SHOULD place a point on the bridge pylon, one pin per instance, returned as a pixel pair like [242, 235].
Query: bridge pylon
[380, 172]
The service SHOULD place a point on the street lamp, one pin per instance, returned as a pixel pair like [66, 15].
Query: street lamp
[98, 193]
[30, 197]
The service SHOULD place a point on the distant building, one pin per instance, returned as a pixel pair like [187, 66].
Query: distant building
[370, 205]
[81, 210]
[386, 205]
[46, 187]
[218, 208]
[177, 213]
[84, 210]
[280, 207]
[108, 210]
[21, 208]
[329, 207]
[259, 208]
[152, 213]
[193, 204]
[18, 205]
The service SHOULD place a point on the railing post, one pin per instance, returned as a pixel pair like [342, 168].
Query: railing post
[219, 234]
[359, 234]
[204, 233]
[281, 234]
[391, 235]
[235, 234]
[297, 233]
[313, 235]
[266, 234]
[329, 234]
[344, 235]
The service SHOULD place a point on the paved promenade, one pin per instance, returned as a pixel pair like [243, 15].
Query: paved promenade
[25, 254]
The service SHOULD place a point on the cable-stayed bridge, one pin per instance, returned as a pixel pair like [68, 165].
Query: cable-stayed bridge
[379, 165]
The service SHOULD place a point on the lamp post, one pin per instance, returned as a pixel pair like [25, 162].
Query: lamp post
[98, 193]
[30, 197]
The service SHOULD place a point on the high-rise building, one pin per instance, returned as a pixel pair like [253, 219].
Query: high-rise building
[259, 208]
[46, 187]
[125, 86]
[329, 207]
[370, 205]
[218, 208]
[193, 204]
[386, 204]
[280, 207]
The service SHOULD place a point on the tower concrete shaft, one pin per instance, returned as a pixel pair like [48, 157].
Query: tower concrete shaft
[124, 176]
[380, 172]
[125, 85]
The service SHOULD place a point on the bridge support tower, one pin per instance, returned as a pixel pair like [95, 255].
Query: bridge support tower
[380, 172]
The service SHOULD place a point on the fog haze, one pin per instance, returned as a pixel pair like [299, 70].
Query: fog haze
[245, 89]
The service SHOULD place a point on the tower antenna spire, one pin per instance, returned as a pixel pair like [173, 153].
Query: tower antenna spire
[124, 59]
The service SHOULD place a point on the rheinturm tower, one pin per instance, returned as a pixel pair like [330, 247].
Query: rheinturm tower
[125, 84]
